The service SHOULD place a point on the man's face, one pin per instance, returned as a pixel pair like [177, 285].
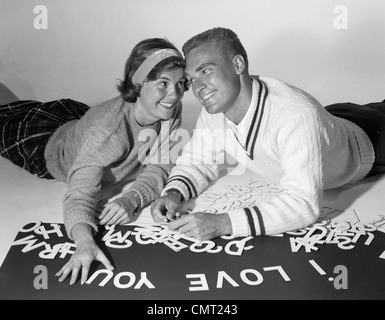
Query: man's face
[214, 80]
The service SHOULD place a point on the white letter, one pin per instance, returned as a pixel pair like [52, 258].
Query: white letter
[124, 286]
[240, 244]
[66, 248]
[50, 252]
[108, 273]
[143, 279]
[280, 270]
[29, 243]
[204, 286]
[221, 276]
[34, 226]
[45, 233]
[248, 281]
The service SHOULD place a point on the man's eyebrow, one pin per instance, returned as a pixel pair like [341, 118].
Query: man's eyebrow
[201, 67]
[204, 65]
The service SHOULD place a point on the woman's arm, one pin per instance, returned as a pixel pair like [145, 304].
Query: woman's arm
[99, 150]
[121, 210]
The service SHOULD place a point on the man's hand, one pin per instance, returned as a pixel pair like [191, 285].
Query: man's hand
[203, 226]
[164, 208]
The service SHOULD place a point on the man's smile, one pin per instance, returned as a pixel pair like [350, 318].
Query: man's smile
[208, 96]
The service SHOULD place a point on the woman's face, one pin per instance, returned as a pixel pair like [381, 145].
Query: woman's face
[158, 99]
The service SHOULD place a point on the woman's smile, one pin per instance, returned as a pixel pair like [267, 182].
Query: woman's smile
[167, 105]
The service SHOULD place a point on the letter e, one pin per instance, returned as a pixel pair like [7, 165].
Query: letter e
[201, 284]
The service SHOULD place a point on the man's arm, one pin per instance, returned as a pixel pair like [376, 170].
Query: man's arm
[297, 206]
[194, 169]
[197, 166]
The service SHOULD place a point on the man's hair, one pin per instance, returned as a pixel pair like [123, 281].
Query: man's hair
[224, 39]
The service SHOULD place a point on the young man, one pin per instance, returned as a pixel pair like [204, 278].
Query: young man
[274, 129]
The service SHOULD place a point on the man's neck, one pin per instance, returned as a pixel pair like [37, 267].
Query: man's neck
[239, 109]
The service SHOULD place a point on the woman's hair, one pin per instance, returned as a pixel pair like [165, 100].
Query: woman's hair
[130, 91]
[225, 40]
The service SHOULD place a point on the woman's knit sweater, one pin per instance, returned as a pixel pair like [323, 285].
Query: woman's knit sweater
[104, 147]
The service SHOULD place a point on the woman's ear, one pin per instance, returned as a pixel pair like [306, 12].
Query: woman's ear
[239, 64]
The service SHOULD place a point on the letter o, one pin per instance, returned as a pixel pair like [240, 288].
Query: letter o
[35, 225]
[246, 280]
[119, 285]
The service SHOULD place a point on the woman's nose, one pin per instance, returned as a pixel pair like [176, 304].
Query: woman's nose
[175, 92]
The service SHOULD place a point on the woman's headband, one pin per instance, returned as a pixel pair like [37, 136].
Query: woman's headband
[152, 60]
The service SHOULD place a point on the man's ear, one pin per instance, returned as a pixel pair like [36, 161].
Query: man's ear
[239, 64]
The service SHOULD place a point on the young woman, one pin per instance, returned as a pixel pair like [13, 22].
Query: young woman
[124, 139]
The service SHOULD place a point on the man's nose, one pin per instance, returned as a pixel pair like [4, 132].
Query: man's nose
[199, 84]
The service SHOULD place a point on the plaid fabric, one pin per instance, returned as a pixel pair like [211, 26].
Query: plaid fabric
[26, 126]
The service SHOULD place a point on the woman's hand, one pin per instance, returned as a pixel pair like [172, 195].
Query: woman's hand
[86, 252]
[119, 211]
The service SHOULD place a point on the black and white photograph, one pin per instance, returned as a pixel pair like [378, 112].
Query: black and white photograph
[192, 157]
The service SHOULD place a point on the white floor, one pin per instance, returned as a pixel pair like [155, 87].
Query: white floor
[25, 198]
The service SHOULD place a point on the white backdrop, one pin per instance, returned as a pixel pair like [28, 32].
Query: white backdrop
[334, 49]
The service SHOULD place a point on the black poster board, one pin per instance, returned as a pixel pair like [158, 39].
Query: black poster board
[236, 269]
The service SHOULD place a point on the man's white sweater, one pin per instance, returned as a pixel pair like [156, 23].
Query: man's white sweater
[288, 137]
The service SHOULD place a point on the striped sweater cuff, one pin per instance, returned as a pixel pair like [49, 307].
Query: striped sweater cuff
[144, 195]
[247, 221]
[183, 184]
[239, 223]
